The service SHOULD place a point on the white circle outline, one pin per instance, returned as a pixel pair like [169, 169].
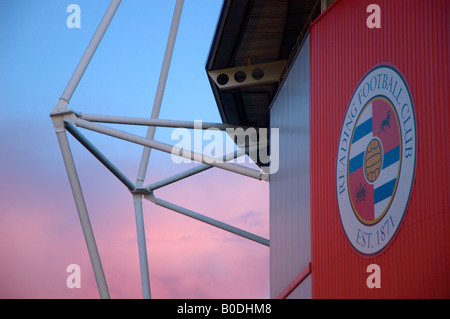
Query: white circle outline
[353, 228]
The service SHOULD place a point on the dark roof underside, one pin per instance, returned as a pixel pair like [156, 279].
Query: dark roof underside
[253, 32]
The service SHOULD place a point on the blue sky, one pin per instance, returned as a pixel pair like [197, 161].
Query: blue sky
[39, 228]
[39, 53]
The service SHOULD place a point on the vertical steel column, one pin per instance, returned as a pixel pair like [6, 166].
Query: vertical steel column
[67, 154]
[142, 246]
[83, 214]
[161, 87]
[146, 152]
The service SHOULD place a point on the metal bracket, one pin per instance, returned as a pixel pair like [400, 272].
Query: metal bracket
[141, 191]
[61, 106]
[58, 118]
[261, 73]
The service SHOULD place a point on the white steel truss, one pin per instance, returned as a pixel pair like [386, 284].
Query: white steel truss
[67, 120]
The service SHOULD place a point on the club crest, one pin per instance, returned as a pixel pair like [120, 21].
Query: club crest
[376, 159]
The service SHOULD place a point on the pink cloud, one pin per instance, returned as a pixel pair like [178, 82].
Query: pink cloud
[216, 264]
[41, 235]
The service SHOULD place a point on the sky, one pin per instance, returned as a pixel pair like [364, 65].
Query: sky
[40, 233]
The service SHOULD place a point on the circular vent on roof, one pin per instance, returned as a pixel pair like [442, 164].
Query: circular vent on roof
[258, 74]
[222, 79]
[240, 76]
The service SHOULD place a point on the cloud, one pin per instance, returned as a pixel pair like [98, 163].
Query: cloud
[40, 235]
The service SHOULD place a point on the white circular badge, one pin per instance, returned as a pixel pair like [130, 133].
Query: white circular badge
[376, 159]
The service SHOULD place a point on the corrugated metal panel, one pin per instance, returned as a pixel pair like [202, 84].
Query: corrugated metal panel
[414, 37]
[290, 248]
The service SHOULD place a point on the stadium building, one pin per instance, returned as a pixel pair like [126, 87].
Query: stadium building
[359, 89]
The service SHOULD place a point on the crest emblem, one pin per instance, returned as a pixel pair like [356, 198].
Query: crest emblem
[376, 160]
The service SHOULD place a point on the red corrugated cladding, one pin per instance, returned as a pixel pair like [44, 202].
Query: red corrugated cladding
[414, 37]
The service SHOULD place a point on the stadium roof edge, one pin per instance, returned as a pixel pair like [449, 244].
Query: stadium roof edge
[253, 46]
